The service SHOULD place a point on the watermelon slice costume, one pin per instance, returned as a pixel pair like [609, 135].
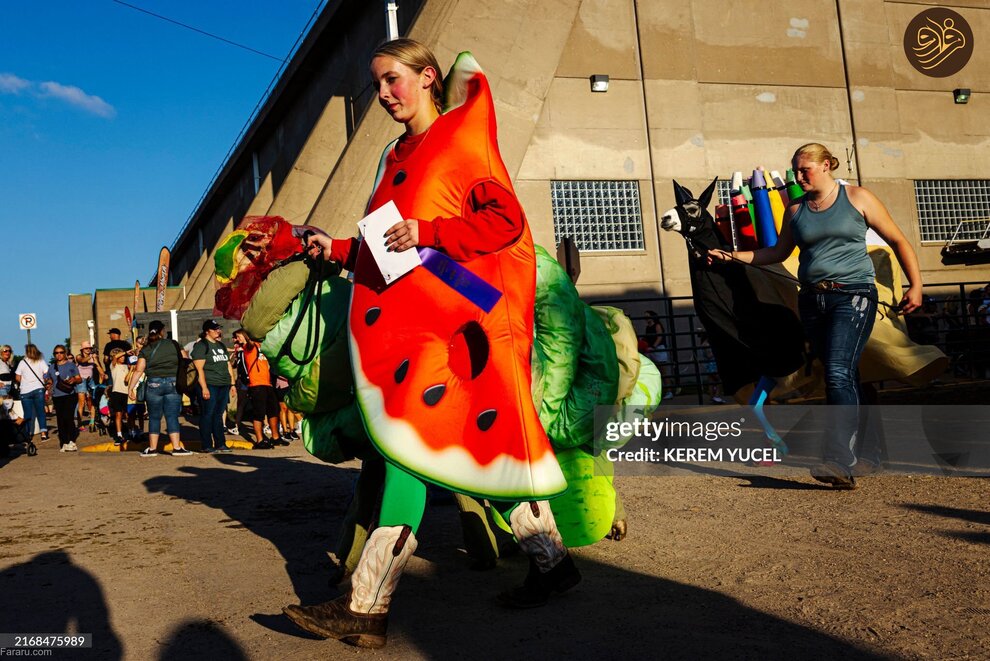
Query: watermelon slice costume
[441, 356]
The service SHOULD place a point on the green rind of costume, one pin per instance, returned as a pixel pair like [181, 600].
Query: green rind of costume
[274, 296]
[333, 296]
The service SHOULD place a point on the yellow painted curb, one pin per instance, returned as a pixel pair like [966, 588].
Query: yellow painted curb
[236, 444]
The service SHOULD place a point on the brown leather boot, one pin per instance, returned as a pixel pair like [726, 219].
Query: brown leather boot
[551, 568]
[334, 619]
[361, 617]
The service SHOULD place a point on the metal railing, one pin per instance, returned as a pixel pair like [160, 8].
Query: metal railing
[951, 319]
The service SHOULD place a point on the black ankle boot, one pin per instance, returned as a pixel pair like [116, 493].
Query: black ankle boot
[538, 586]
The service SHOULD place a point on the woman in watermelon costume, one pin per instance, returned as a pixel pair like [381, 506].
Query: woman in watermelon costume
[441, 356]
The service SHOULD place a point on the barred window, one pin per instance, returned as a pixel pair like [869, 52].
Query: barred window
[598, 215]
[945, 203]
[724, 188]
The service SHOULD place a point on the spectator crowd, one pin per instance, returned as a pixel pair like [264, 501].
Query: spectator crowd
[125, 392]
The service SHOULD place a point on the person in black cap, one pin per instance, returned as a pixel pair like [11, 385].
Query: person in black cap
[212, 363]
[159, 360]
[114, 343]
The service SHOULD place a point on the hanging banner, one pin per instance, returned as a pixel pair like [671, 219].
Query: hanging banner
[129, 320]
[162, 279]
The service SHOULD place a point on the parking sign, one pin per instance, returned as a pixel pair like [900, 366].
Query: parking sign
[28, 321]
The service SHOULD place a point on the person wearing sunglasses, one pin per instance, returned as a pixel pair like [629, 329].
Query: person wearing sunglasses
[64, 375]
[6, 371]
[91, 372]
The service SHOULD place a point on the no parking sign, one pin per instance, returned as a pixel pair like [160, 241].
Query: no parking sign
[28, 321]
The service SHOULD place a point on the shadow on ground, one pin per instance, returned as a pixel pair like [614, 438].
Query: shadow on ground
[200, 639]
[71, 597]
[970, 516]
[296, 505]
[444, 609]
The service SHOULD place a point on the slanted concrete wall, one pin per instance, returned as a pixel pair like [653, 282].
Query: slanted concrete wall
[698, 89]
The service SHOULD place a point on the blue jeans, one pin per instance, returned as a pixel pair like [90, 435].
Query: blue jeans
[838, 324]
[33, 404]
[161, 396]
[211, 418]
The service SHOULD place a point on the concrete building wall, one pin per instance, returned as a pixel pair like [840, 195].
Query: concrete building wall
[285, 163]
[907, 126]
[80, 312]
[107, 311]
[698, 89]
[188, 324]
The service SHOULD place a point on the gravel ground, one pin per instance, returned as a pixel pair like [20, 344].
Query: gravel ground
[194, 557]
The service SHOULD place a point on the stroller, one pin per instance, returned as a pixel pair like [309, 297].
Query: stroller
[13, 433]
[100, 420]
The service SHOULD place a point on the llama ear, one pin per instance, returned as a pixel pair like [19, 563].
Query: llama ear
[706, 197]
[681, 194]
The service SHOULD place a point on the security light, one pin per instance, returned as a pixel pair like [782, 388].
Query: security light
[599, 83]
[961, 95]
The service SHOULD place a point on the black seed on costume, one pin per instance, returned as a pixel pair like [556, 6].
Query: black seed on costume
[400, 374]
[433, 394]
[399, 177]
[371, 316]
[486, 419]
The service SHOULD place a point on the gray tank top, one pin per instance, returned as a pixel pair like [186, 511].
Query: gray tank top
[832, 243]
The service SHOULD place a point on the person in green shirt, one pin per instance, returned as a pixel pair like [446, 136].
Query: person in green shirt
[212, 361]
[159, 361]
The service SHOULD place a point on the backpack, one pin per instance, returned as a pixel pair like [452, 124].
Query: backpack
[186, 377]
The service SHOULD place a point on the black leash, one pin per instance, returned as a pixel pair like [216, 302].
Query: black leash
[314, 287]
[893, 308]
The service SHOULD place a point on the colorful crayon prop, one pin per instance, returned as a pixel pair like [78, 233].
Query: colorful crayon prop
[765, 233]
[723, 221]
[742, 214]
[794, 191]
[743, 189]
[781, 187]
[746, 237]
[776, 203]
[747, 192]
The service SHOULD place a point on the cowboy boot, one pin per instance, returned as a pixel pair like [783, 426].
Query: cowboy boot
[360, 617]
[551, 568]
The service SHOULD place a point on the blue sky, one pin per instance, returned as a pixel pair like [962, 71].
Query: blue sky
[112, 124]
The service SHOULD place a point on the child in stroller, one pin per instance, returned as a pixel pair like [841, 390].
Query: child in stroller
[100, 421]
[12, 430]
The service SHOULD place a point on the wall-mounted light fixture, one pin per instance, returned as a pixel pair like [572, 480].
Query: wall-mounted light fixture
[961, 95]
[599, 82]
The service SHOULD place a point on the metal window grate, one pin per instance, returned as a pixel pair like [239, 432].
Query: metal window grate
[724, 188]
[598, 215]
[947, 204]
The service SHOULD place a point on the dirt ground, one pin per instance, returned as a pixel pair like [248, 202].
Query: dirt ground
[194, 557]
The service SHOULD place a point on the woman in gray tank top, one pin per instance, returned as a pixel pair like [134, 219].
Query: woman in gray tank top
[838, 299]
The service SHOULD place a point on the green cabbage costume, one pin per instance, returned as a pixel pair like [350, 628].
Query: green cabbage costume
[583, 357]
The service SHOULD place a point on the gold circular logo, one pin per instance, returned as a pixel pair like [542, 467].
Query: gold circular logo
[938, 42]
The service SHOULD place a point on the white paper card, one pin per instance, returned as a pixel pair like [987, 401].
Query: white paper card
[393, 265]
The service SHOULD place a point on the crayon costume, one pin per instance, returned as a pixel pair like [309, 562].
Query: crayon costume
[441, 361]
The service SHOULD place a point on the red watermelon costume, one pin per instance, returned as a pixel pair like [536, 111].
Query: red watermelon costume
[442, 355]
[441, 362]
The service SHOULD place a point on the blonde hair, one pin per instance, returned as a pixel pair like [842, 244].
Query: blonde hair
[31, 352]
[417, 57]
[818, 153]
